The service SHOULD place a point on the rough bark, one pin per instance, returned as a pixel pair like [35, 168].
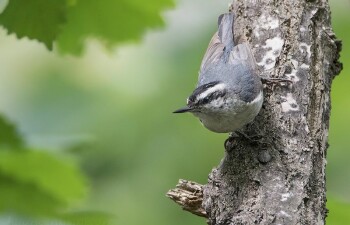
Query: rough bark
[294, 40]
[189, 195]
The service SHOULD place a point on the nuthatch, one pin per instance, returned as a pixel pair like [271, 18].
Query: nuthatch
[229, 93]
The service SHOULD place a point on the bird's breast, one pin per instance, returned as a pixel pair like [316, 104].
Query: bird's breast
[233, 116]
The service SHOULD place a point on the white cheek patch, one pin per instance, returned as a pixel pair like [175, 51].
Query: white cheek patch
[218, 87]
[217, 103]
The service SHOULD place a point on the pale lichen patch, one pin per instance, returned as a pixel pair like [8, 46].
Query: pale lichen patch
[268, 22]
[289, 103]
[293, 75]
[265, 22]
[274, 48]
[283, 213]
[302, 29]
[303, 47]
[304, 66]
[307, 129]
[285, 196]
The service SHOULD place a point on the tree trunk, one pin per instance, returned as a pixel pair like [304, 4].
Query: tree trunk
[281, 178]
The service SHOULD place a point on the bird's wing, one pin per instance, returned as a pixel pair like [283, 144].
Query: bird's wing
[222, 55]
[213, 53]
[242, 54]
[221, 43]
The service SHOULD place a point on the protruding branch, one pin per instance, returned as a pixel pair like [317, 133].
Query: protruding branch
[189, 195]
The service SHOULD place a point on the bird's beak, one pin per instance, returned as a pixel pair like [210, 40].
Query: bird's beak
[183, 110]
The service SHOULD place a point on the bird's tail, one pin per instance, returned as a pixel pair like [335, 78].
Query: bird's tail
[225, 30]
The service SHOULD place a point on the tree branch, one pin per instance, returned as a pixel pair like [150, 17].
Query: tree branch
[189, 195]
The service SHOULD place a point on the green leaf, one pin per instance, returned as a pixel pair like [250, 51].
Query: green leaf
[35, 19]
[110, 21]
[57, 177]
[8, 135]
[338, 212]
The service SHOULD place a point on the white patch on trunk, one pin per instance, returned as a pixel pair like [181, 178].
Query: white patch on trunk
[265, 22]
[293, 75]
[274, 46]
[289, 103]
[304, 66]
[285, 196]
[283, 213]
[305, 47]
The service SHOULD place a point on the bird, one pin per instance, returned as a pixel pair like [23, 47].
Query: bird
[229, 91]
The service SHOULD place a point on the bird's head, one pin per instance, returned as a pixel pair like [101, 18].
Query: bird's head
[206, 98]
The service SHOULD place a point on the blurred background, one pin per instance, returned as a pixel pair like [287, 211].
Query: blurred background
[86, 130]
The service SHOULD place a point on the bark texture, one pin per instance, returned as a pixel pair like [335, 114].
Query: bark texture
[189, 195]
[281, 178]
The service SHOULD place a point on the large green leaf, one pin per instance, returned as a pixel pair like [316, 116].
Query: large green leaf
[57, 177]
[109, 20]
[8, 135]
[35, 19]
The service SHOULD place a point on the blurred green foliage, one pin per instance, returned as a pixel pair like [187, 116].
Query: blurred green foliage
[39, 184]
[338, 156]
[109, 114]
[339, 214]
[57, 177]
[8, 135]
[70, 22]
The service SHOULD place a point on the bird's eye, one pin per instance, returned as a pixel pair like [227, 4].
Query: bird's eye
[205, 100]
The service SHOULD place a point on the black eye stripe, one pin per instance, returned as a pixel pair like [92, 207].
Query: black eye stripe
[211, 97]
[201, 89]
[204, 87]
